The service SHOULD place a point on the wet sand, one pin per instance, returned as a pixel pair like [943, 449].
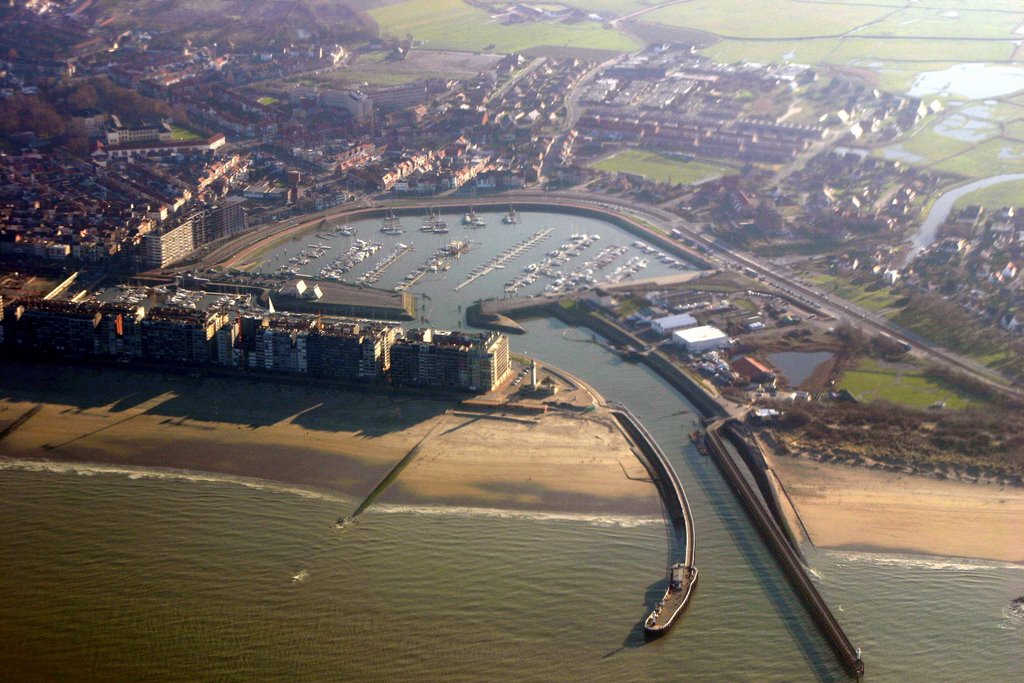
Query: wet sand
[326, 438]
[852, 507]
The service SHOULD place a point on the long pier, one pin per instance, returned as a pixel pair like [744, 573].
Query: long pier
[784, 553]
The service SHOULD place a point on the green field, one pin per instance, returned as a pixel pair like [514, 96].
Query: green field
[901, 383]
[935, 21]
[268, 101]
[181, 133]
[895, 40]
[609, 9]
[777, 19]
[992, 157]
[872, 298]
[865, 49]
[778, 51]
[456, 25]
[662, 169]
[996, 196]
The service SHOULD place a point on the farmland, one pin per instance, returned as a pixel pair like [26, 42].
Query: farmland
[455, 25]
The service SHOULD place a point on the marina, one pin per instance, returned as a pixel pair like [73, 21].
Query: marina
[499, 261]
[608, 254]
[440, 261]
[374, 274]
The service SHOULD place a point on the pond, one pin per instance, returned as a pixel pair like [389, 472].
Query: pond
[972, 81]
[798, 366]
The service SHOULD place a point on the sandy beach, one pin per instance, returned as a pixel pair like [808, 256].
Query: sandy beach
[850, 507]
[327, 438]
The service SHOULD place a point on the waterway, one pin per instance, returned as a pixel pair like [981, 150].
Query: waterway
[943, 206]
[136, 574]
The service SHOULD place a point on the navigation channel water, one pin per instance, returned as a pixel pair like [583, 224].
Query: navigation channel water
[147, 575]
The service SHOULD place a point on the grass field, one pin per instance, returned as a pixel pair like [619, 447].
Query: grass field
[777, 19]
[931, 146]
[267, 100]
[937, 21]
[996, 196]
[455, 25]
[181, 133]
[901, 383]
[869, 298]
[661, 168]
[609, 9]
[986, 159]
[779, 51]
[894, 39]
[866, 49]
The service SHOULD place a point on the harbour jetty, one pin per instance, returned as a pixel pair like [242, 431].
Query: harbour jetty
[682, 575]
[784, 553]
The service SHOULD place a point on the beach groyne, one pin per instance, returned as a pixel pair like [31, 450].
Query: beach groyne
[783, 552]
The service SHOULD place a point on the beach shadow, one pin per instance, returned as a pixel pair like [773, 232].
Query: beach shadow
[817, 652]
[242, 401]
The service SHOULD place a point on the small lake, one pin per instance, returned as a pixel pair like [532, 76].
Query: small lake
[972, 81]
[797, 366]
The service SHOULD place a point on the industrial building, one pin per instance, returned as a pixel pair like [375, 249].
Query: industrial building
[700, 339]
[669, 324]
[342, 299]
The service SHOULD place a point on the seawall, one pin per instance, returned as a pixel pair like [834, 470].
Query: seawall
[787, 559]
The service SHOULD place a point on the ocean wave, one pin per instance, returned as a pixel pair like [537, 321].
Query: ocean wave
[922, 562]
[82, 469]
[621, 521]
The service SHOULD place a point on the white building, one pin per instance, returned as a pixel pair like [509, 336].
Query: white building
[700, 339]
[667, 325]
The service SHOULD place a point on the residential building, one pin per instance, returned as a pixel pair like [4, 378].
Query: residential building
[452, 360]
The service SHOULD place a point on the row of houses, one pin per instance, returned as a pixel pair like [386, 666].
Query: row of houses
[350, 350]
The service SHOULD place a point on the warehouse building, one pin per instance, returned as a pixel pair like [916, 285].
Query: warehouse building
[700, 339]
[668, 325]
